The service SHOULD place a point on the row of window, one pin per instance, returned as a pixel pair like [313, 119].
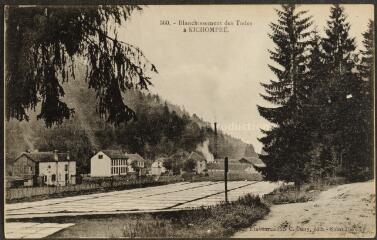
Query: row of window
[120, 162]
[117, 162]
[118, 170]
[53, 178]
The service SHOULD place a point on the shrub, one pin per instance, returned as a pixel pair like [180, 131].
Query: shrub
[215, 221]
[288, 193]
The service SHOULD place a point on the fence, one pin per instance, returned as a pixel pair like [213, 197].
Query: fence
[232, 176]
[19, 193]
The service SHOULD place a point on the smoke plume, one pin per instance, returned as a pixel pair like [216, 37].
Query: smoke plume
[203, 148]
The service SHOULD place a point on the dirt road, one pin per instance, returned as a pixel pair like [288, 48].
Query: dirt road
[344, 211]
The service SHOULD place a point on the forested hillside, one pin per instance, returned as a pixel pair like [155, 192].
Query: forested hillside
[160, 129]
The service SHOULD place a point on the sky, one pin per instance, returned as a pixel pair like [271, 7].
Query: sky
[218, 75]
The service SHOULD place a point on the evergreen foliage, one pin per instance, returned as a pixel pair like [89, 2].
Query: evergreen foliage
[285, 145]
[42, 45]
[323, 125]
[345, 96]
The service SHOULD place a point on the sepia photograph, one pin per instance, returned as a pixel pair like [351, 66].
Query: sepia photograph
[189, 121]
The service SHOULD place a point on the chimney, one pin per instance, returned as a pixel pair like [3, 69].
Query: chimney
[215, 140]
[56, 155]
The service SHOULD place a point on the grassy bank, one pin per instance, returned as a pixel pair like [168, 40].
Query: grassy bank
[217, 221]
[288, 193]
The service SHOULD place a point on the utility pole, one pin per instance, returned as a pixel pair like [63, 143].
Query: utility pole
[226, 178]
[215, 140]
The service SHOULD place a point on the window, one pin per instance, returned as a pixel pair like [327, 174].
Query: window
[44, 178]
[100, 156]
[66, 178]
[53, 177]
[66, 167]
[112, 170]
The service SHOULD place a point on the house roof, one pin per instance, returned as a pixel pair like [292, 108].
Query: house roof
[120, 154]
[115, 154]
[196, 156]
[134, 157]
[255, 161]
[45, 156]
[180, 155]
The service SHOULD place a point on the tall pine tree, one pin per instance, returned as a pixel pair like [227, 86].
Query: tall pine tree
[342, 125]
[286, 145]
[315, 109]
[366, 69]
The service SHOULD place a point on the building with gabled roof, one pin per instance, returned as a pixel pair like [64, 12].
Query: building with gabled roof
[157, 167]
[45, 168]
[255, 161]
[107, 163]
[245, 164]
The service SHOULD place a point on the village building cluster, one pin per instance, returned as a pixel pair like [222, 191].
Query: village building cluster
[55, 168]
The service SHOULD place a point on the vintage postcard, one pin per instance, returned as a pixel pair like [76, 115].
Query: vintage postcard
[189, 121]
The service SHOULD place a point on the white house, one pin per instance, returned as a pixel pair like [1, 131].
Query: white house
[157, 167]
[45, 168]
[108, 163]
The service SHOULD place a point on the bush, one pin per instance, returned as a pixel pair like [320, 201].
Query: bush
[288, 193]
[221, 220]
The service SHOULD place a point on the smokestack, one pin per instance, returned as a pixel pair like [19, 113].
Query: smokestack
[215, 140]
[56, 155]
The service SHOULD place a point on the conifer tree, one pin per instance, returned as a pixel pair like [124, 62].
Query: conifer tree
[317, 167]
[342, 125]
[366, 69]
[285, 144]
[43, 45]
